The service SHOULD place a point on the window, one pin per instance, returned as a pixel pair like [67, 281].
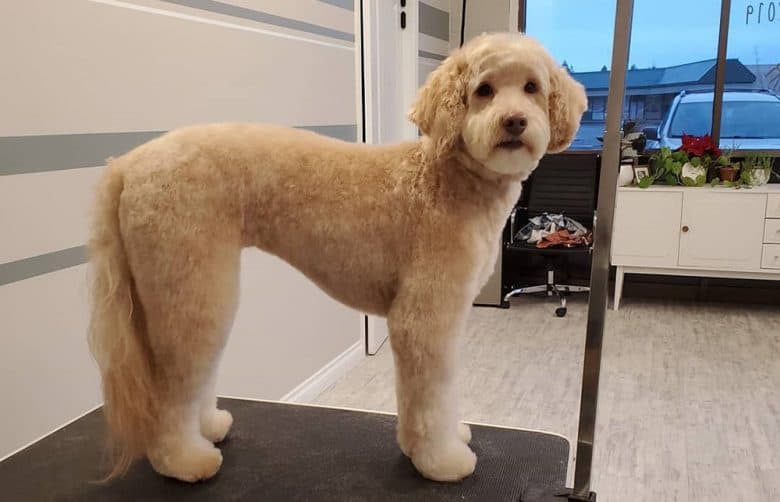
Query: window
[750, 118]
[562, 26]
[598, 105]
[659, 70]
[673, 63]
[654, 108]
[691, 118]
[740, 121]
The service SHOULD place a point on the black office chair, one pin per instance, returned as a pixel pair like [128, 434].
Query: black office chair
[562, 184]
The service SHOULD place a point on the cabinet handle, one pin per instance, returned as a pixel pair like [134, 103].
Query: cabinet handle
[685, 228]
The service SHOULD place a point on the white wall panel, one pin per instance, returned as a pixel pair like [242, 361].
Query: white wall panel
[310, 11]
[285, 328]
[46, 374]
[97, 66]
[425, 68]
[439, 4]
[44, 212]
[434, 45]
[82, 66]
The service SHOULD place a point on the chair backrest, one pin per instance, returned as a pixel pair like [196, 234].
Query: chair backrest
[564, 183]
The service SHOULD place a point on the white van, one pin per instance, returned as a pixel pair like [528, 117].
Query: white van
[750, 120]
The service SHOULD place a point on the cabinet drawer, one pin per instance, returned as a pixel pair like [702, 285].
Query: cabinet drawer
[772, 232]
[773, 206]
[771, 257]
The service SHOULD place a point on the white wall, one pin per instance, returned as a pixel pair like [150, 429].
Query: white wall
[75, 70]
[490, 15]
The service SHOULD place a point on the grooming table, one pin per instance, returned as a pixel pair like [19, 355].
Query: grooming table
[286, 452]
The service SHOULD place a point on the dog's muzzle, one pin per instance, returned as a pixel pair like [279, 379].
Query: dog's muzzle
[514, 127]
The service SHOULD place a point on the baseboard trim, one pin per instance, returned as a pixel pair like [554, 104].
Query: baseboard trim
[309, 389]
[44, 436]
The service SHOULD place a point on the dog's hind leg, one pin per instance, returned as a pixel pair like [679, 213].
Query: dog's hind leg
[424, 324]
[188, 286]
[214, 422]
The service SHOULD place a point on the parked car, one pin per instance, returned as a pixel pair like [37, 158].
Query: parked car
[751, 120]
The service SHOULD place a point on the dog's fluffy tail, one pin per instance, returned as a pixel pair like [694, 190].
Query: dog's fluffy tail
[117, 333]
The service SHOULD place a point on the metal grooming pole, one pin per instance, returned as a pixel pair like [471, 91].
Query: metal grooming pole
[599, 277]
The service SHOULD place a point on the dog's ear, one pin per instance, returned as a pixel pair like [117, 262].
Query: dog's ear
[440, 106]
[567, 103]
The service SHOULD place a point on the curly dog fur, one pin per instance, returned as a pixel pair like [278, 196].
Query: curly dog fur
[383, 229]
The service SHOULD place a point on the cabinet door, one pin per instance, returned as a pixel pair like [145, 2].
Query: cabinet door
[722, 231]
[647, 228]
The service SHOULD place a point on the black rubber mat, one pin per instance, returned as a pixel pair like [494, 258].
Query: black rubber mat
[281, 452]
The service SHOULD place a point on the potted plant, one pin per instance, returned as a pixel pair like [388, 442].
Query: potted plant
[756, 169]
[665, 166]
[687, 165]
[632, 145]
[702, 154]
[727, 168]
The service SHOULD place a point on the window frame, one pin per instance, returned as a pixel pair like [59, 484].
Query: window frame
[720, 70]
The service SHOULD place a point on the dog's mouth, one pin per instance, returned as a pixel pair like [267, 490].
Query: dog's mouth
[512, 144]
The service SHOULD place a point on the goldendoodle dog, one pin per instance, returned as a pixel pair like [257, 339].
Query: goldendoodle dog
[406, 231]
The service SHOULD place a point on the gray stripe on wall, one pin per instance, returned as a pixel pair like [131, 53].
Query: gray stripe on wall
[32, 154]
[42, 264]
[26, 268]
[347, 132]
[263, 17]
[431, 55]
[434, 22]
[344, 4]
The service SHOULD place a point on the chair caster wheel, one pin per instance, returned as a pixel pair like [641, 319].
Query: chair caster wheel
[560, 311]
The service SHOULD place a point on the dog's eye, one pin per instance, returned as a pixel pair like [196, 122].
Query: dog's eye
[484, 90]
[531, 88]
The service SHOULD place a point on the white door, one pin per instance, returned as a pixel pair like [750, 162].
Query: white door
[647, 231]
[722, 231]
[390, 73]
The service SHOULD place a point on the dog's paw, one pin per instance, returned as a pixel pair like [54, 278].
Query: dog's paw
[192, 461]
[464, 432]
[215, 425]
[448, 460]
[405, 442]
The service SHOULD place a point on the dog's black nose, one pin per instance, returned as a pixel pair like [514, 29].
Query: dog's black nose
[515, 125]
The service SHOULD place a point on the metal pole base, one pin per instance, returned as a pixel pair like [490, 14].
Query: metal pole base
[570, 497]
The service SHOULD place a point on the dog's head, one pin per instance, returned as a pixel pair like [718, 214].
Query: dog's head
[503, 100]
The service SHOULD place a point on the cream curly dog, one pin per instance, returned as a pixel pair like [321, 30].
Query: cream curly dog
[406, 231]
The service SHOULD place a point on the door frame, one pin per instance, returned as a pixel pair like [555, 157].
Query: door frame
[369, 54]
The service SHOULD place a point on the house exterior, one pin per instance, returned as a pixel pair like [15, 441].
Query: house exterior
[650, 91]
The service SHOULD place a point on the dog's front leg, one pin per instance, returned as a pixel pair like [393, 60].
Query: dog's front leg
[424, 324]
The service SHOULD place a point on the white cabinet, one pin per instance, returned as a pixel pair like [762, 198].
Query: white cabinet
[697, 231]
[642, 234]
[717, 228]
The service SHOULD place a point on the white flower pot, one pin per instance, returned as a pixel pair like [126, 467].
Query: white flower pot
[759, 177]
[692, 172]
[626, 175]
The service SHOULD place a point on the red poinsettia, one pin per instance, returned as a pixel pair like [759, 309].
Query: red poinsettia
[699, 146]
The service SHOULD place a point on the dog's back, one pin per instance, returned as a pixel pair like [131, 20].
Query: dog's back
[171, 218]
